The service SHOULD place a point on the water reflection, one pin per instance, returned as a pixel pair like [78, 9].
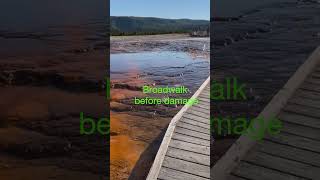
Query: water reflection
[163, 67]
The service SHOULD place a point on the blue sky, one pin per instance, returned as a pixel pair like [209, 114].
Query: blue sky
[173, 9]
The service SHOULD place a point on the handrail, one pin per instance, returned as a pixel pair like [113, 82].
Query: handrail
[157, 164]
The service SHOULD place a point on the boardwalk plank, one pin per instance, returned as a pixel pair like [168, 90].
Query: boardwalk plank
[190, 147]
[189, 156]
[205, 96]
[307, 94]
[315, 75]
[200, 114]
[190, 139]
[299, 119]
[303, 110]
[304, 131]
[206, 90]
[188, 167]
[254, 172]
[296, 141]
[197, 118]
[196, 108]
[193, 128]
[202, 106]
[206, 124]
[289, 152]
[204, 99]
[195, 123]
[310, 87]
[192, 133]
[283, 165]
[168, 174]
[313, 80]
[305, 102]
[185, 152]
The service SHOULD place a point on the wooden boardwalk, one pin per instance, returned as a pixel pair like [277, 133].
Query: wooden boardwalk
[294, 154]
[185, 150]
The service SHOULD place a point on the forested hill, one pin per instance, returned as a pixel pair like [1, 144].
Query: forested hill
[124, 25]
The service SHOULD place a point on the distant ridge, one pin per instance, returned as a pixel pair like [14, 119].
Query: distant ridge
[129, 25]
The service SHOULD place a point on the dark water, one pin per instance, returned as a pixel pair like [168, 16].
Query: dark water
[55, 39]
[35, 14]
[161, 67]
[236, 7]
[50, 27]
